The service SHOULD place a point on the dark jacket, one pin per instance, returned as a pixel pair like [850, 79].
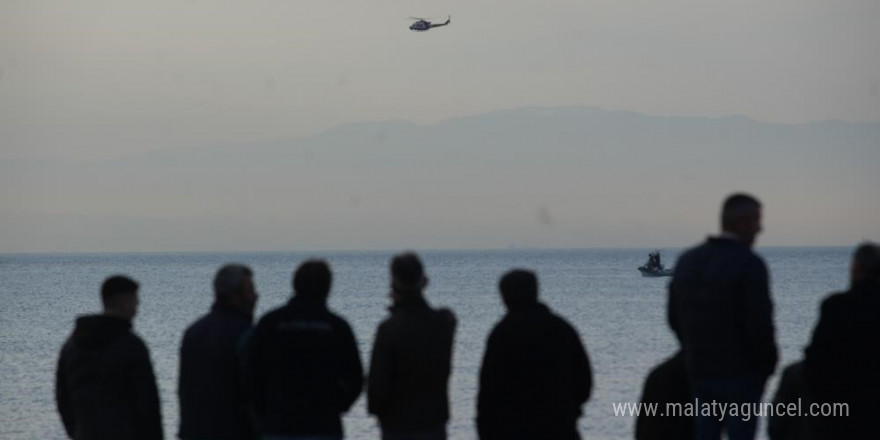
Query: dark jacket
[721, 312]
[410, 366]
[534, 379]
[666, 384]
[304, 369]
[842, 362]
[791, 391]
[105, 387]
[211, 387]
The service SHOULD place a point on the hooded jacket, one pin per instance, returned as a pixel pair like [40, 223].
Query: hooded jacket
[105, 387]
[410, 366]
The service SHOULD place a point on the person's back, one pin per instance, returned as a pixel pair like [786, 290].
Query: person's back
[418, 343]
[535, 373]
[411, 363]
[666, 384]
[211, 391]
[305, 369]
[842, 362]
[105, 385]
[720, 308]
[720, 311]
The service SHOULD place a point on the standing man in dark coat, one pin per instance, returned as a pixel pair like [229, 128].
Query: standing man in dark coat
[105, 387]
[842, 362]
[304, 366]
[411, 361]
[721, 312]
[211, 387]
[536, 374]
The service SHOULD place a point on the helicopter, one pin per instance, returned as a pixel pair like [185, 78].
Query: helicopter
[422, 25]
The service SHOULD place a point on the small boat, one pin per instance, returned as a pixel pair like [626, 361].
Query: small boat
[654, 268]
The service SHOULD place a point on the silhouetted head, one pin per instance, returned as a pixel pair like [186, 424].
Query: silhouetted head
[741, 216]
[312, 280]
[234, 286]
[407, 275]
[119, 297]
[519, 289]
[866, 263]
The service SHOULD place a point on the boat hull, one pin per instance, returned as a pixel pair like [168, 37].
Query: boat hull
[654, 273]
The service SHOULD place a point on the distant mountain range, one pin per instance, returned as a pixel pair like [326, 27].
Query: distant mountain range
[553, 177]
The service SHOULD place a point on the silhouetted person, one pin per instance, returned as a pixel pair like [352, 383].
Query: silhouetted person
[842, 362]
[411, 361]
[211, 387]
[791, 390]
[666, 384]
[536, 374]
[105, 387]
[304, 368]
[721, 312]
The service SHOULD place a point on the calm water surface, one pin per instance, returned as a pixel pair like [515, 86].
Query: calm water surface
[620, 316]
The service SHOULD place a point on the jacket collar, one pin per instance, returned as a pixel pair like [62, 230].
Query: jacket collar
[536, 307]
[306, 302]
[410, 302]
[226, 309]
[727, 236]
[865, 287]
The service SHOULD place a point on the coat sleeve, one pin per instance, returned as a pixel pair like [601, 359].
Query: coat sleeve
[62, 397]
[759, 318]
[379, 382]
[148, 415]
[351, 381]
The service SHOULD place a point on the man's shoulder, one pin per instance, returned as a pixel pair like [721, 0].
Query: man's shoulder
[197, 325]
[216, 323]
[561, 325]
[338, 320]
[713, 245]
[401, 321]
[693, 254]
[274, 315]
[539, 317]
[132, 343]
[446, 315]
[836, 303]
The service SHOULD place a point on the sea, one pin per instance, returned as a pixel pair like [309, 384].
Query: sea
[620, 315]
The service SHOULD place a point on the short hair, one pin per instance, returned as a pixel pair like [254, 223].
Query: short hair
[867, 258]
[736, 206]
[117, 285]
[407, 270]
[519, 288]
[230, 279]
[312, 279]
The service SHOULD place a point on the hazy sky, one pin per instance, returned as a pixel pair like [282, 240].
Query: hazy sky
[90, 78]
[96, 80]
